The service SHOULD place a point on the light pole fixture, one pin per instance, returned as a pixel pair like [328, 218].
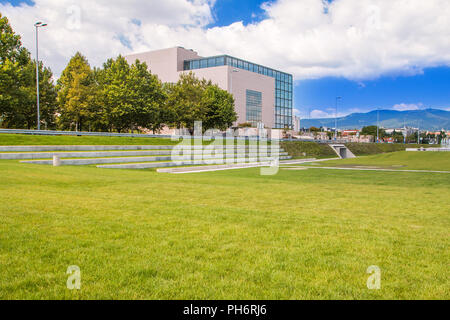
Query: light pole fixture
[378, 125]
[336, 118]
[38, 25]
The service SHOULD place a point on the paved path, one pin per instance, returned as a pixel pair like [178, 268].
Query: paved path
[229, 167]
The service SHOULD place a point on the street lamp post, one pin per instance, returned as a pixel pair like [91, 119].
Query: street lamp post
[378, 125]
[38, 25]
[336, 118]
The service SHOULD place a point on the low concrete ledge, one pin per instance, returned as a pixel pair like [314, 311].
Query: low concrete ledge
[214, 168]
[113, 148]
[83, 162]
[428, 149]
[227, 167]
[183, 163]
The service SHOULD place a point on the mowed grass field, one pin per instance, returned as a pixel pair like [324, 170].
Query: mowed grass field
[432, 161]
[37, 140]
[224, 235]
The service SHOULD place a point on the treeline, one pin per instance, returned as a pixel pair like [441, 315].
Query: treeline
[117, 97]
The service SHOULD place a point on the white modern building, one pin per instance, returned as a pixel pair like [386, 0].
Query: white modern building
[262, 95]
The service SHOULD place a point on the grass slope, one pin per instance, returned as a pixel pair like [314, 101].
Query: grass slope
[222, 235]
[364, 149]
[298, 149]
[35, 140]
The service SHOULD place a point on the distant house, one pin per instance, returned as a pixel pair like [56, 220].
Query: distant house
[346, 133]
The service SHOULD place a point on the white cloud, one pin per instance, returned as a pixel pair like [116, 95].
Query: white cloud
[356, 39]
[320, 114]
[407, 107]
[101, 29]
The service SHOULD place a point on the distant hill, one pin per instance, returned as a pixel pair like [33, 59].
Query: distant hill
[429, 119]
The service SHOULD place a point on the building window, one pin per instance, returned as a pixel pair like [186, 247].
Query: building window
[254, 107]
[220, 61]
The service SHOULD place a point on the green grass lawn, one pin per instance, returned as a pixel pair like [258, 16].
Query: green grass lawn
[436, 161]
[365, 149]
[36, 140]
[223, 235]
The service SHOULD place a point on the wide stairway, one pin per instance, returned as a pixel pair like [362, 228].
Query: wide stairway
[142, 157]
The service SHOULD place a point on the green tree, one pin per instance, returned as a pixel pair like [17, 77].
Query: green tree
[412, 138]
[147, 98]
[398, 137]
[192, 99]
[24, 116]
[18, 84]
[11, 46]
[114, 95]
[219, 108]
[372, 131]
[76, 93]
[184, 101]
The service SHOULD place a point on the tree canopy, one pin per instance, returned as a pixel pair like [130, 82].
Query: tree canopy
[117, 97]
[192, 99]
[18, 106]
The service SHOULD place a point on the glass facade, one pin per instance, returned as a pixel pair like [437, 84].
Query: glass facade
[253, 107]
[283, 84]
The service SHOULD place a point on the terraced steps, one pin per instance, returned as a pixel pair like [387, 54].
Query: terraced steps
[148, 151]
[82, 162]
[142, 157]
[108, 148]
[183, 163]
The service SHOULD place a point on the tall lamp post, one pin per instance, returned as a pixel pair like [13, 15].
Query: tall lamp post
[38, 25]
[336, 118]
[378, 125]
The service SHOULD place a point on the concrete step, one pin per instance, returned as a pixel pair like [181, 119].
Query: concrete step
[213, 168]
[224, 167]
[82, 162]
[79, 148]
[179, 164]
[102, 148]
[100, 154]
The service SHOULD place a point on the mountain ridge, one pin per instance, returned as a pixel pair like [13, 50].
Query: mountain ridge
[426, 119]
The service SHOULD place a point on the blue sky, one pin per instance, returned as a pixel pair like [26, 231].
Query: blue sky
[428, 90]
[401, 71]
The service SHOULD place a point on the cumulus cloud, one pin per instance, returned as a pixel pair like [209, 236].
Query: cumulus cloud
[407, 107]
[102, 29]
[355, 39]
[320, 114]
